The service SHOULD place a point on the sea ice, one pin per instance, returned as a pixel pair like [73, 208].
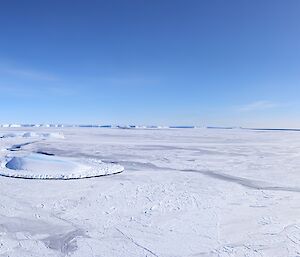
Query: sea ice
[184, 192]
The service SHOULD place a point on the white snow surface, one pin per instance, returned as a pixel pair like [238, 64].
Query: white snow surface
[184, 192]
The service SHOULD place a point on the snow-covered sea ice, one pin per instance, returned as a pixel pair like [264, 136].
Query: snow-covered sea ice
[183, 192]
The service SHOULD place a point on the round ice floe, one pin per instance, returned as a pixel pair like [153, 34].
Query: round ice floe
[30, 134]
[39, 166]
[57, 135]
[8, 135]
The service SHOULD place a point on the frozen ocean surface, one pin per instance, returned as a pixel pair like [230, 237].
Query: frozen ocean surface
[184, 192]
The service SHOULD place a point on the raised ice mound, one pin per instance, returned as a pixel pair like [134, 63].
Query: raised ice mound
[57, 135]
[7, 135]
[39, 166]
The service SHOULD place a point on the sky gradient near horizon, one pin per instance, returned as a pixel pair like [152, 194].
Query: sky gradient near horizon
[170, 62]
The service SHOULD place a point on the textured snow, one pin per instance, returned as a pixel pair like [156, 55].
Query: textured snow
[184, 192]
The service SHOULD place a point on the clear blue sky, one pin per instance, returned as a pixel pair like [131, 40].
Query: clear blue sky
[210, 62]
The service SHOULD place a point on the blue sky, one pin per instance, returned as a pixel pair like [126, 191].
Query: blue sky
[150, 62]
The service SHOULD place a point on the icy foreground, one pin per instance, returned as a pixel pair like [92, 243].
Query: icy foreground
[184, 192]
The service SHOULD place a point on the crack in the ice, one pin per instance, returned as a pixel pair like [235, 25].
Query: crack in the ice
[137, 244]
[45, 153]
[18, 147]
[253, 184]
[249, 183]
